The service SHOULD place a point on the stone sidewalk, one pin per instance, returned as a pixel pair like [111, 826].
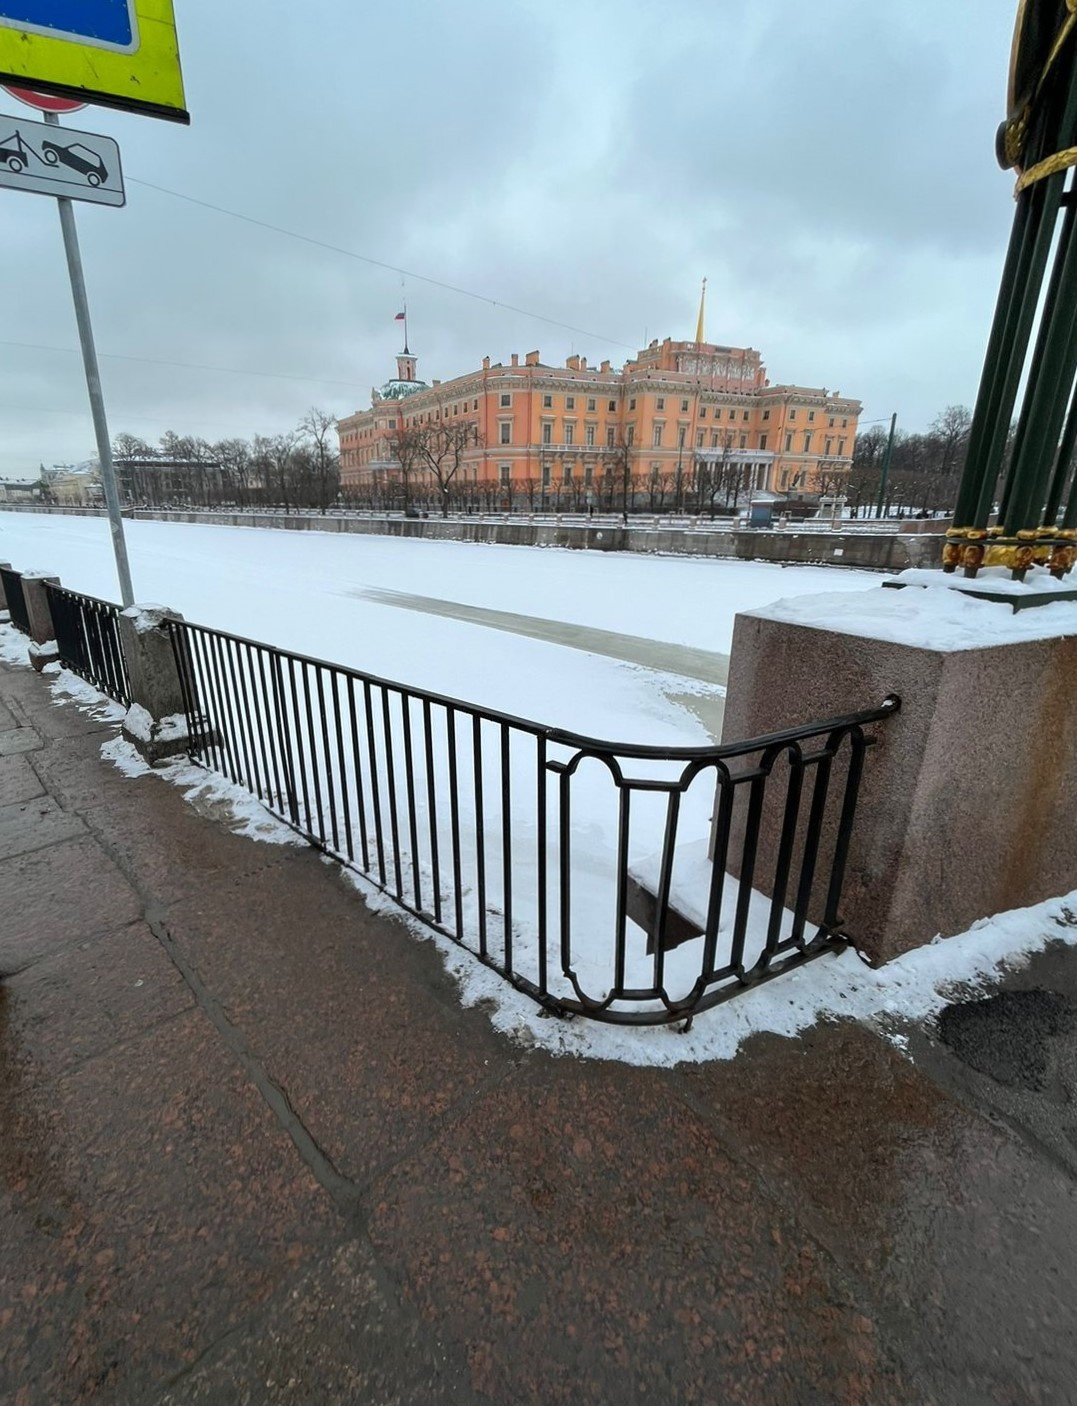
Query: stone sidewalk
[252, 1150]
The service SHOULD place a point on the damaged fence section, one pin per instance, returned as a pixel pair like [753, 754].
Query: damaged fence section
[614, 881]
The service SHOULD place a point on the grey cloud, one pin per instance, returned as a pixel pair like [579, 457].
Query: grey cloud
[829, 167]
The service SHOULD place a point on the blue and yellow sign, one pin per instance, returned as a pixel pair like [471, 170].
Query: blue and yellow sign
[118, 53]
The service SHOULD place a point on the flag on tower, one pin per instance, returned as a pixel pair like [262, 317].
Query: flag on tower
[400, 317]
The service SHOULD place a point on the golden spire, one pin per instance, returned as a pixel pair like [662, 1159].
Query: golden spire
[699, 323]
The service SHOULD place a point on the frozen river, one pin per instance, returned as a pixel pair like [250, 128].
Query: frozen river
[625, 647]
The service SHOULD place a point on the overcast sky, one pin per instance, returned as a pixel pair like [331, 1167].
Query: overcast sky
[829, 167]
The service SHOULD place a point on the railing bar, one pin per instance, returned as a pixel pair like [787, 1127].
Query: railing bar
[247, 731]
[747, 869]
[454, 819]
[564, 865]
[210, 729]
[390, 782]
[82, 631]
[231, 704]
[223, 694]
[117, 663]
[820, 795]
[480, 830]
[284, 736]
[620, 934]
[357, 757]
[665, 880]
[327, 758]
[506, 848]
[375, 784]
[312, 751]
[719, 862]
[204, 663]
[431, 803]
[409, 781]
[297, 730]
[105, 678]
[858, 746]
[98, 652]
[345, 798]
[785, 854]
[541, 857]
[266, 730]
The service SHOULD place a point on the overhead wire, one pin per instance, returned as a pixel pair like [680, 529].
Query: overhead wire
[382, 264]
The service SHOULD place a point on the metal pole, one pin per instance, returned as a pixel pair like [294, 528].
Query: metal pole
[93, 385]
[886, 465]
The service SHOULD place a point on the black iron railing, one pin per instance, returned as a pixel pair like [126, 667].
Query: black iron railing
[88, 639]
[633, 884]
[16, 600]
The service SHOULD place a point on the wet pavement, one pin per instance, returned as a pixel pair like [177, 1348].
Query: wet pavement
[252, 1150]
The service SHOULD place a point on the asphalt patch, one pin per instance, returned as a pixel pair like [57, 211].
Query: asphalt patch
[1007, 1036]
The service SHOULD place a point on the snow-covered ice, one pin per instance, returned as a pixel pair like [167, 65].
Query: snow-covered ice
[306, 591]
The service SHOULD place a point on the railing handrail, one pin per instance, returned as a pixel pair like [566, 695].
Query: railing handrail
[81, 596]
[638, 751]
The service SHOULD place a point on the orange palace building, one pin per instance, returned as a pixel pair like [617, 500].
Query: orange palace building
[673, 408]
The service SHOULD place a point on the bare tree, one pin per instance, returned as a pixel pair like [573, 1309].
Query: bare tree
[617, 477]
[234, 457]
[318, 429]
[949, 436]
[443, 446]
[406, 447]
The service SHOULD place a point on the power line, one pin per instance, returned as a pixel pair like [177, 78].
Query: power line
[381, 264]
[85, 414]
[186, 365]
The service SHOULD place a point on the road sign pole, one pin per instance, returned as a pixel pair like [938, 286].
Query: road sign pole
[93, 385]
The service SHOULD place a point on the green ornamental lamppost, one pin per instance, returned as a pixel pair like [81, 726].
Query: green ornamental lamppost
[1037, 512]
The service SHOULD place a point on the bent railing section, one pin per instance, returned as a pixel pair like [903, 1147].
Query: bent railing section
[629, 883]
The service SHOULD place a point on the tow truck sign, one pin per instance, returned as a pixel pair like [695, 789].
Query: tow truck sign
[51, 160]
